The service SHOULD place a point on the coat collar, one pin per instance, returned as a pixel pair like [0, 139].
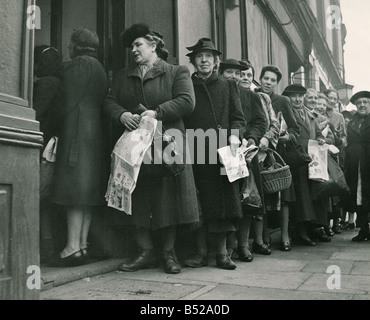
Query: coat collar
[198, 81]
[154, 72]
[354, 123]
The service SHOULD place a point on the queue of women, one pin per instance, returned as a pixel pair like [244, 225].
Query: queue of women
[217, 96]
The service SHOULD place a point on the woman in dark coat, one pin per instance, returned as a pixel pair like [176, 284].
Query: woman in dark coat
[217, 111]
[269, 78]
[79, 180]
[255, 129]
[357, 164]
[307, 209]
[159, 90]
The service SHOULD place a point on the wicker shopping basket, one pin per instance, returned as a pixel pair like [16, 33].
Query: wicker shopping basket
[278, 176]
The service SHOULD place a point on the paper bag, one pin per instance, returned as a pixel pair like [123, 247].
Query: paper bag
[318, 167]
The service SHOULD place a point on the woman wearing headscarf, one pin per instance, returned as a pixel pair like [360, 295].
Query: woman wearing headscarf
[217, 112]
[79, 177]
[357, 164]
[162, 91]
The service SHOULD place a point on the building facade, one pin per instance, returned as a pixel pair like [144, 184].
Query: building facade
[305, 38]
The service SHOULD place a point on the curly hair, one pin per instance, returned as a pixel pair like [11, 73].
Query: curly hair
[273, 69]
[47, 61]
[155, 38]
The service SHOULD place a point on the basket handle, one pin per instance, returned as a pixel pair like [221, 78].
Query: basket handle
[276, 154]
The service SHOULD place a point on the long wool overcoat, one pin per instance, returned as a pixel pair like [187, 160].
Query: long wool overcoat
[157, 202]
[218, 109]
[358, 154]
[79, 176]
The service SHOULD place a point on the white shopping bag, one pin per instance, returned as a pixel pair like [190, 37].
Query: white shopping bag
[318, 167]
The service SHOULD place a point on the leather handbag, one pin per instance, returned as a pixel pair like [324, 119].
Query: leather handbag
[295, 156]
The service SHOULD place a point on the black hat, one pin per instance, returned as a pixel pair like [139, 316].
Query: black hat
[203, 44]
[232, 64]
[294, 88]
[358, 95]
[137, 31]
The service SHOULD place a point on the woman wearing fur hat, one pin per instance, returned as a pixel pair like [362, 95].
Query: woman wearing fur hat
[162, 91]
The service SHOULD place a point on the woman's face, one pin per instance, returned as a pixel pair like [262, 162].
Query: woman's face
[363, 106]
[143, 51]
[296, 100]
[269, 82]
[321, 106]
[333, 100]
[310, 100]
[231, 74]
[247, 78]
[204, 62]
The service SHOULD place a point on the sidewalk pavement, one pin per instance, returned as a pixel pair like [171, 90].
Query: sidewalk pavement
[301, 274]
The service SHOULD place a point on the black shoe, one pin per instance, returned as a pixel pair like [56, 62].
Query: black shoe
[245, 255]
[329, 232]
[362, 236]
[319, 234]
[261, 249]
[73, 260]
[337, 230]
[348, 226]
[171, 263]
[223, 261]
[233, 254]
[199, 260]
[268, 242]
[285, 246]
[146, 259]
[306, 242]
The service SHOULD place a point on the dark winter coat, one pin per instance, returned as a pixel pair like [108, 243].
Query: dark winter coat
[79, 177]
[217, 108]
[307, 210]
[168, 90]
[358, 154]
[47, 99]
[255, 119]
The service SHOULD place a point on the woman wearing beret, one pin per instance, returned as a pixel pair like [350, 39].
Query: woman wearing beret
[357, 164]
[165, 92]
[218, 112]
[79, 176]
[306, 209]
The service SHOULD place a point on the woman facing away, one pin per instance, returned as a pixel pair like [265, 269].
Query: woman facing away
[162, 91]
[79, 179]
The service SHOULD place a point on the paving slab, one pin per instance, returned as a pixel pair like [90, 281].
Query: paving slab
[350, 284]
[321, 266]
[361, 268]
[250, 293]
[352, 256]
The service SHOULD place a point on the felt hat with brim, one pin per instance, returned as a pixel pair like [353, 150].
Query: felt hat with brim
[232, 64]
[358, 95]
[201, 45]
[294, 88]
[137, 30]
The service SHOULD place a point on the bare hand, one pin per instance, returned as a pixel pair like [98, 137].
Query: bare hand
[234, 144]
[320, 141]
[129, 120]
[264, 144]
[149, 113]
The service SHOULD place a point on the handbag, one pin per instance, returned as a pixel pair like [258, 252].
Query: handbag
[295, 156]
[166, 157]
[47, 168]
[335, 186]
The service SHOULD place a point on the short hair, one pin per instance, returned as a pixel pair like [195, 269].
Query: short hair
[160, 49]
[47, 61]
[249, 65]
[273, 69]
[84, 40]
[312, 90]
[328, 91]
[323, 96]
[215, 55]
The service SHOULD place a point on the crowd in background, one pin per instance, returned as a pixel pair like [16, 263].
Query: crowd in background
[71, 101]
